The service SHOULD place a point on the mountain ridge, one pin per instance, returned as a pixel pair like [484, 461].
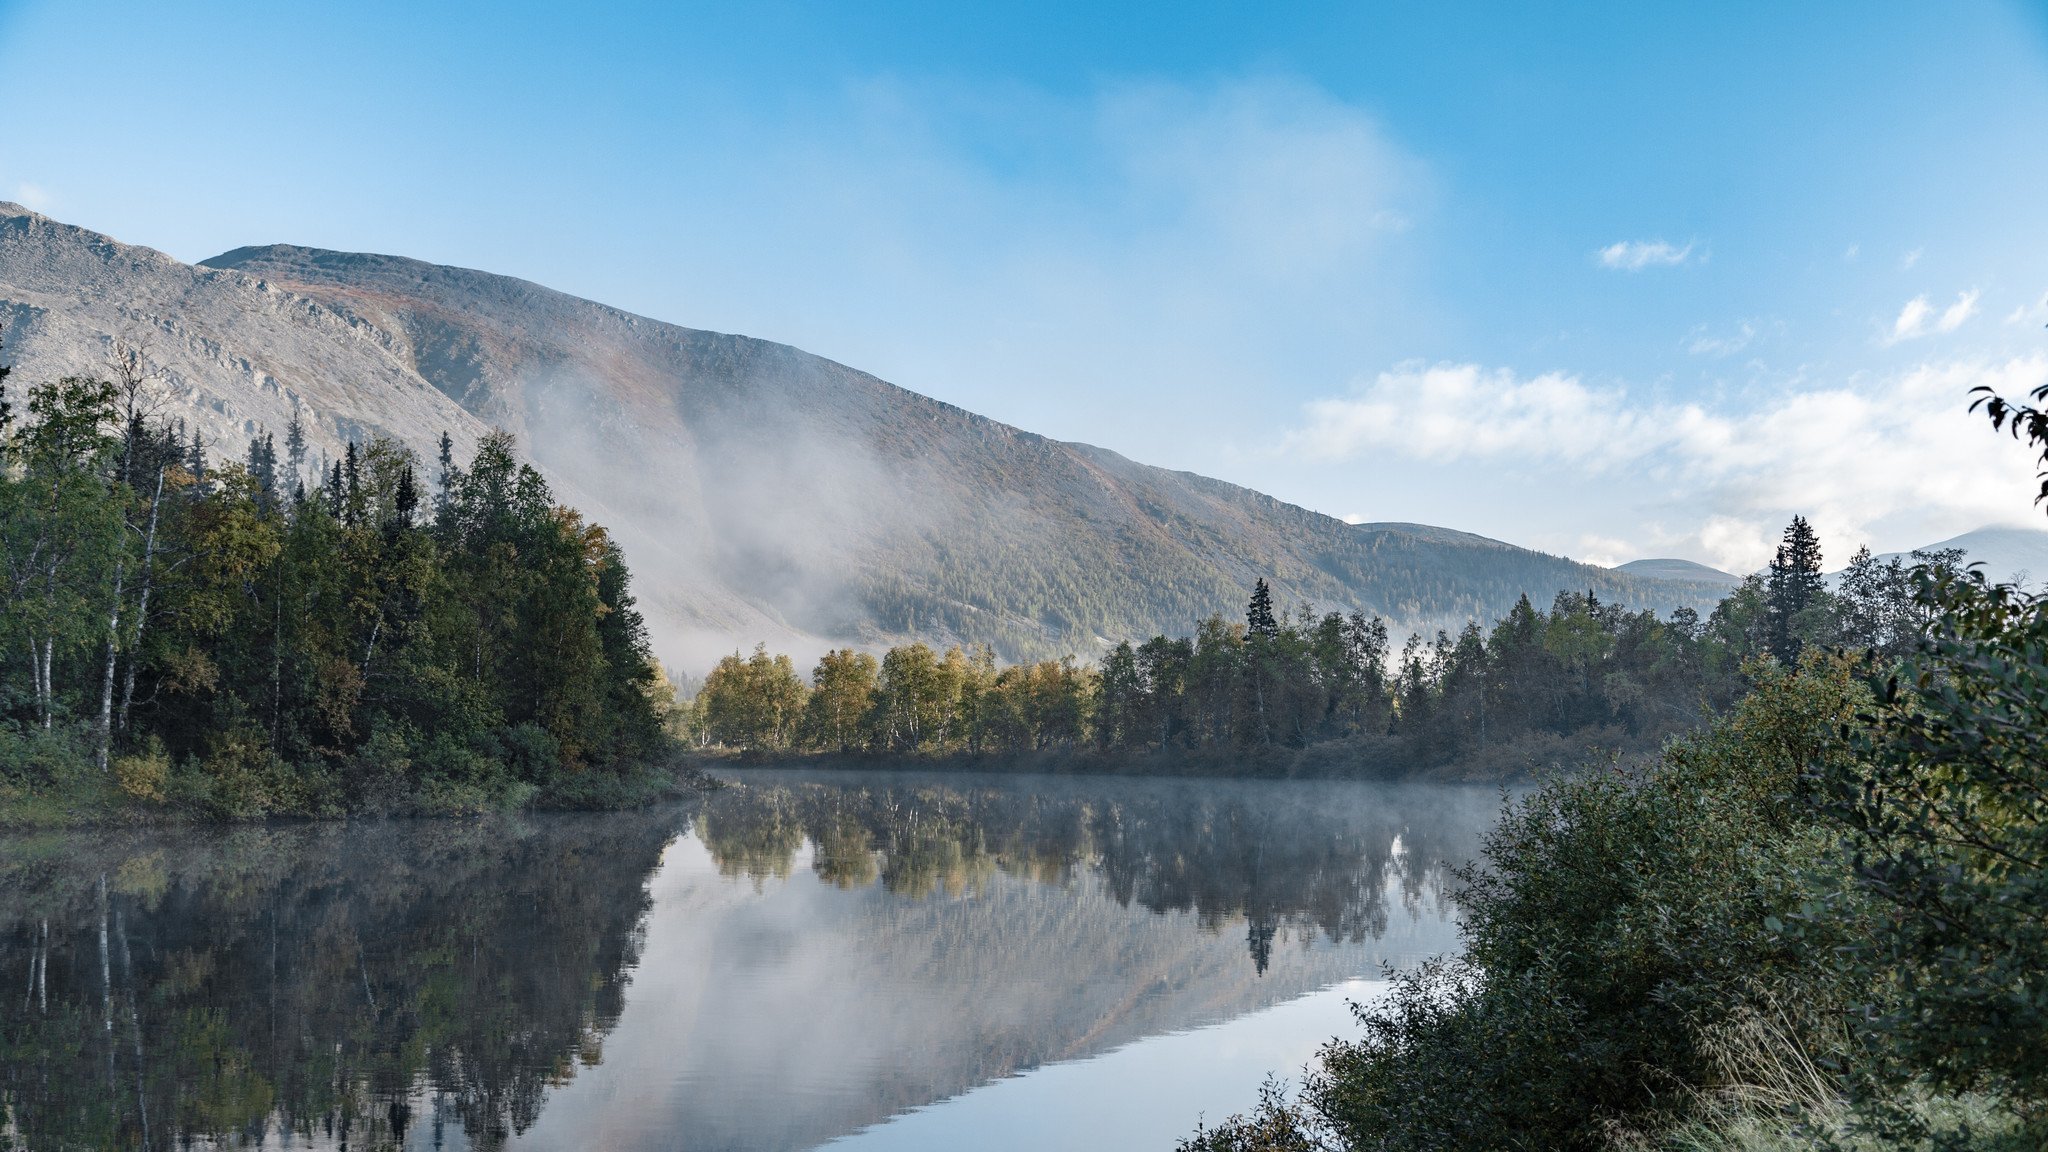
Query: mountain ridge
[760, 492]
[1672, 568]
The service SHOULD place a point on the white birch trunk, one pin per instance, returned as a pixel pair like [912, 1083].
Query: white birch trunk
[106, 724]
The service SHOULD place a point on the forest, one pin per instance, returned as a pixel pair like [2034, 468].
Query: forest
[275, 635]
[1818, 921]
[1323, 693]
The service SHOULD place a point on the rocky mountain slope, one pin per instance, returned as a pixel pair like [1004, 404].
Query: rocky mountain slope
[760, 492]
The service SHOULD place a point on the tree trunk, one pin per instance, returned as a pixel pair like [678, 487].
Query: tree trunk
[49, 690]
[106, 985]
[277, 671]
[134, 1029]
[107, 679]
[35, 672]
[142, 599]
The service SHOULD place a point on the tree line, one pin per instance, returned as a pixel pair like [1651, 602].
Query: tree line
[1582, 668]
[275, 634]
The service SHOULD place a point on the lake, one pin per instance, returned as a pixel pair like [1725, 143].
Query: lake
[860, 961]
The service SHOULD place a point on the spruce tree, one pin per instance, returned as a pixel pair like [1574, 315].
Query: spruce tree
[262, 465]
[450, 474]
[295, 450]
[195, 460]
[352, 486]
[406, 500]
[1794, 583]
[1258, 618]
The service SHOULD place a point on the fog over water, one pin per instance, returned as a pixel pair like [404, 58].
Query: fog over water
[789, 962]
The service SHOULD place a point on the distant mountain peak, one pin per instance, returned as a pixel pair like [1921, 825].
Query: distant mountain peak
[2007, 551]
[1671, 568]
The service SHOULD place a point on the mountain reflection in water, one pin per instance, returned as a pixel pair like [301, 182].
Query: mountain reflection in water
[779, 964]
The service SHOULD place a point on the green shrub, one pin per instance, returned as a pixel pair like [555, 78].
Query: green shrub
[1946, 812]
[1617, 919]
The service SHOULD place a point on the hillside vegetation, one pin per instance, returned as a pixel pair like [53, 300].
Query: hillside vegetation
[758, 491]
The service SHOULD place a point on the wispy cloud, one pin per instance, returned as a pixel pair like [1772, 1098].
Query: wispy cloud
[1847, 456]
[1701, 342]
[1453, 411]
[1852, 251]
[34, 196]
[1636, 255]
[1911, 258]
[1919, 318]
[2036, 312]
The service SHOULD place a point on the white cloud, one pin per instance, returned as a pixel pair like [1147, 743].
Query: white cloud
[1918, 318]
[1912, 319]
[1911, 258]
[1605, 551]
[1453, 411]
[1955, 314]
[1735, 544]
[1848, 456]
[1700, 342]
[1636, 255]
[2035, 312]
[1353, 517]
[34, 197]
[1852, 251]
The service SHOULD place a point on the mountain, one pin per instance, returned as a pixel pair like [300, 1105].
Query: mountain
[759, 492]
[2006, 553]
[1681, 570]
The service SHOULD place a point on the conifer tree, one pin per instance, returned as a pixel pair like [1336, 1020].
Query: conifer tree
[1258, 618]
[295, 453]
[352, 486]
[450, 475]
[262, 464]
[195, 460]
[406, 500]
[1794, 584]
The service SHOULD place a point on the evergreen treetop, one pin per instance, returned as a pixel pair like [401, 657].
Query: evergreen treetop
[1258, 617]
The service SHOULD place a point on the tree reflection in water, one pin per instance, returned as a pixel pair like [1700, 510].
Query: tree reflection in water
[1289, 860]
[369, 984]
[161, 988]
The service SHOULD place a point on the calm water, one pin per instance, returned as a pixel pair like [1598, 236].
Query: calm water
[880, 961]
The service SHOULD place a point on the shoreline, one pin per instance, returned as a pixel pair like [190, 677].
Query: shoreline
[101, 804]
[1372, 758]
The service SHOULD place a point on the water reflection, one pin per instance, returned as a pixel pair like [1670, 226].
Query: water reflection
[165, 987]
[806, 956]
[1302, 856]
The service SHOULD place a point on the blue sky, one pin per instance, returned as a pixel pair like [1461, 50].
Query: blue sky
[1610, 280]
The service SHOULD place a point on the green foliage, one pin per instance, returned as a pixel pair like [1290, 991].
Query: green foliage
[246, 645]
[1793, 588]
[1946, 818]
[753, 703]
[1618, 918]
[1585, 667]
[1820, 919]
